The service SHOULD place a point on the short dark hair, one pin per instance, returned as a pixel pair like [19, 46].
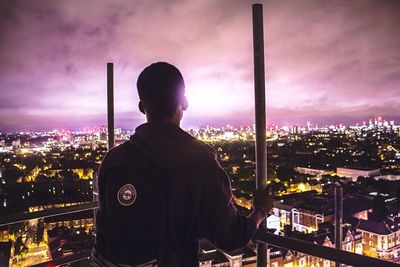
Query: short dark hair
[160, 88]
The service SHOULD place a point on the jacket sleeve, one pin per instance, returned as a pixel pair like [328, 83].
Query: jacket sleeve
[225, 226]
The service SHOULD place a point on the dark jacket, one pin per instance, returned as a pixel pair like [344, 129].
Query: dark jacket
[198, 199]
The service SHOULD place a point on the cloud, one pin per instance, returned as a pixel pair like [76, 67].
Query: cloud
[337, 58]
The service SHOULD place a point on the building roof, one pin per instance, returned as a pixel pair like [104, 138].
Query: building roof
[359, 168]
[245, 252]
[381, 228]
[384, 227]
[206, 246]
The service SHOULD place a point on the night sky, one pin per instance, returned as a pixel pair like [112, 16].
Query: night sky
[326, 61]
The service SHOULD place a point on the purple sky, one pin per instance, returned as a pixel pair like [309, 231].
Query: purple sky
[326, 61]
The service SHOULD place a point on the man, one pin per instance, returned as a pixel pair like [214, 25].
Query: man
[163, 190]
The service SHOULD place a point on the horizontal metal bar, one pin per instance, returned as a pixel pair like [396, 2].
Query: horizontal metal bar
[66, 260]
[328, 253]
[22, 217]
[312, 249]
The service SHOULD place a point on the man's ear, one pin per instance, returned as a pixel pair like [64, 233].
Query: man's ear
[184, 103]
[141, 107]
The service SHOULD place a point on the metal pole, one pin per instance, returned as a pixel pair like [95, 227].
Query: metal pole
[338, 218]
[259, 92]
[110, 104]
[110, 130]
[95, 191]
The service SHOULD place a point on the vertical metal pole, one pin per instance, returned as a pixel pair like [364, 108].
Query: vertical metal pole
[110, 104]
[259, 90]
[110, 124]
[110, 130]
[338, 218]
[95, 190]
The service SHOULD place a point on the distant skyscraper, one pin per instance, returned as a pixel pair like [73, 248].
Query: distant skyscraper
[379, 121]
[295, 129]
[385, 123]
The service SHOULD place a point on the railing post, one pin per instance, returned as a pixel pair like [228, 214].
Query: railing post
[110, 127]
[259, 92]
[338, 219]
[110, 104]
[95, 191]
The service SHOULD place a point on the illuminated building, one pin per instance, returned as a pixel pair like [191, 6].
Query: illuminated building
[31, 176]
[302, 220]
[283, 212]
[307, 221]
[304, 187]
[389, 177]
[352, 241]
[311, 171]
[354, 173]
[295, 130]
[4, 234]
[380, 239]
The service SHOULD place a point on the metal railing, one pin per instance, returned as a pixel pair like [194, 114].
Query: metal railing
[332, 254]
[23, 217]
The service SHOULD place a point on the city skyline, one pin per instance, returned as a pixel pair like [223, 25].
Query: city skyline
[332, 62]
[371, 122]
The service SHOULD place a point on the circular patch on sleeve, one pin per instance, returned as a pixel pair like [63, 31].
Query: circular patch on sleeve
[126, 195]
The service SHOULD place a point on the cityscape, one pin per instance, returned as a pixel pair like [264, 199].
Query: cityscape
[323, 75]
[44, 170]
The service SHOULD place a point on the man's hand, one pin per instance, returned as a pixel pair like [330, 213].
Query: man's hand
[262, 203]
[262, 199]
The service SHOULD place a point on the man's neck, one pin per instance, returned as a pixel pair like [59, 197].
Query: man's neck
[170, 120]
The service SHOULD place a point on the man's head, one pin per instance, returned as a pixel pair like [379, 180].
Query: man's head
[162, 92]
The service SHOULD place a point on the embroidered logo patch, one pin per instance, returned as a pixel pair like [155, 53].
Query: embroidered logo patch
[126, 195]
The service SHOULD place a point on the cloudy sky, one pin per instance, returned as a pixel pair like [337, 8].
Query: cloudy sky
[326, 61]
